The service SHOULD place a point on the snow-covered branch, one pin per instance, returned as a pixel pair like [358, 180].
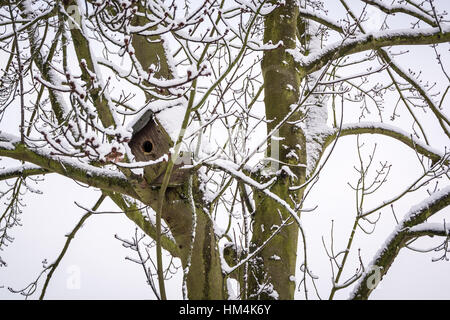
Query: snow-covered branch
[11, 147]
[308, 14]
[21, 171]
[389, 131]
[400, 8]
[430, 229]
[369, 41]
[384, 258]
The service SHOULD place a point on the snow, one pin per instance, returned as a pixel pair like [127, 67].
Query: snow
[224, 265]
[97, 72]
[396, 7]
[64, 161]
[20, 169]
[231, 168]
[34, 11]
[232, 294]
[431, 226]
[288, 171]
[7, 141]
[425, 204]
[273, 293]
[142, 164]
[316, 55]
[316, 131]
[169, 114]
[310, 13]
[389, 127]
[171, 119]
[409, 218]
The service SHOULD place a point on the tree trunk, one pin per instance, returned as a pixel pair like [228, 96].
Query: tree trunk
[205, 279]
[271, 270]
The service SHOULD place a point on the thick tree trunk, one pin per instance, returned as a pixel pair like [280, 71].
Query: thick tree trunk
[205, 279]
[271, 270]
[275, 264]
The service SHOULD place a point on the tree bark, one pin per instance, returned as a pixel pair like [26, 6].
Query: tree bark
[271, 269]
[205, 279]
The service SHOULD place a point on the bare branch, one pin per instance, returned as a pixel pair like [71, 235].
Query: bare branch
[398, 238]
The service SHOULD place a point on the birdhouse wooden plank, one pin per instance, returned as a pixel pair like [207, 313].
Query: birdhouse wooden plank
[149, 142]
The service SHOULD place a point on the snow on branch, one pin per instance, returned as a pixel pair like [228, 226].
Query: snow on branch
[11, 147]
[384, 258]
[400, 8]
[370, 41]
[430, 229]
[231, 168]
[390, 131]
[308, 14]
[29, 23]
[21, 171]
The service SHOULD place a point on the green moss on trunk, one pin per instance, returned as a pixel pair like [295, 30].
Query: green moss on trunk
[274, 265]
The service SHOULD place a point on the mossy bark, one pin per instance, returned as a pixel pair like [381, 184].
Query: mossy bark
[205, 279]
[272, 267]
[83, 50]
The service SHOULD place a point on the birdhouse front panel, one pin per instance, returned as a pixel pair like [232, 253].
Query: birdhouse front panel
[150, 143]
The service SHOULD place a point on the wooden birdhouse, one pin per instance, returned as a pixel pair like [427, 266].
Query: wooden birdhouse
[149, 142]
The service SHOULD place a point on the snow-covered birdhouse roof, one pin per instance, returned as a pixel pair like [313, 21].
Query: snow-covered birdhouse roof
[170, 117]
[154, 133]
[141, 121]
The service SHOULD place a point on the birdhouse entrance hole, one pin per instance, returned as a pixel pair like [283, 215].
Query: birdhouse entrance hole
[149, 142]
[147, 146]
